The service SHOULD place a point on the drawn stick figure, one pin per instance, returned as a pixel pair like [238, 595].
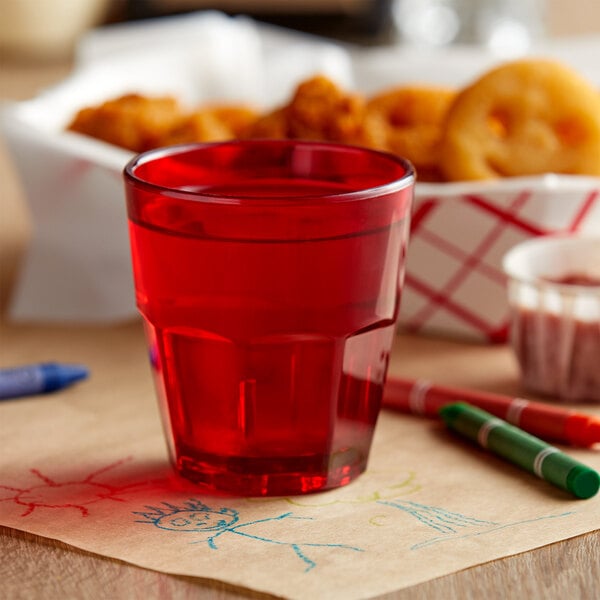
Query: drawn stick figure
[196, 517]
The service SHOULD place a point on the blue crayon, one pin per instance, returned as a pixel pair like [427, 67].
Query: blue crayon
[38, 379]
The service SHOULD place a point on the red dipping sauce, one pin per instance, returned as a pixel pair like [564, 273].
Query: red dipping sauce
[554, 296]
[575, 279]
[559, 356]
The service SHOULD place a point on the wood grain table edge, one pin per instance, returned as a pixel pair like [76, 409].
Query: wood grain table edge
[566, 569]
[91, 575]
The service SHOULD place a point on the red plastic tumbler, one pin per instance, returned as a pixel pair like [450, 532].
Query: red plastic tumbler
[268, 274]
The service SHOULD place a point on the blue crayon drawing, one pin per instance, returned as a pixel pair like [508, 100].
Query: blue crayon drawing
[439, 519]
[453, 525]
[196, 517]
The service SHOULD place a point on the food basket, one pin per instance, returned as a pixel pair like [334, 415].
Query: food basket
[454, 281]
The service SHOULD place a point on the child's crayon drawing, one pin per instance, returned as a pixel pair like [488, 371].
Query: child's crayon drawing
[437, 518]
[211, 523]
[448, 524]
[207, 524]
[453, 525]
[404, 486]
[77, 493]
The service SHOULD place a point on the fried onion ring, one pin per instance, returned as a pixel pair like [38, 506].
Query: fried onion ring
[525, 117]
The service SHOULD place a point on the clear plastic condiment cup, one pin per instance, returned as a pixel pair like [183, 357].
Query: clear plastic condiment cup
[554, 297]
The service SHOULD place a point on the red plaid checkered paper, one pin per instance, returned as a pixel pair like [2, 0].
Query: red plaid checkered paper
[454, 284]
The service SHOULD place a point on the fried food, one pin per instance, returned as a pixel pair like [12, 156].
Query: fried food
[319, 110]
[211, 124]
[271, 125]
[525, 117]
[141, 123]
[132, 121]
[412, 119]
[238, 118]
[200, 126]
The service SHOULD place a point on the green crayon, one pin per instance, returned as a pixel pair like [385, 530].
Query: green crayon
[522, 449]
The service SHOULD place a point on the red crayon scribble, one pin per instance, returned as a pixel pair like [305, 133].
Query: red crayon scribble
[76, 494]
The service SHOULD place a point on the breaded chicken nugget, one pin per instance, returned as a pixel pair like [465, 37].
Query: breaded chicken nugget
[319, 110]
[211, 124]
[132, 121]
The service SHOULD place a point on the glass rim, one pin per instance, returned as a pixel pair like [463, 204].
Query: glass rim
[394, 185]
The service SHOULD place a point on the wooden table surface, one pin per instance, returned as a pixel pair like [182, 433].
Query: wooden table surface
[37, 568]
[33, 567]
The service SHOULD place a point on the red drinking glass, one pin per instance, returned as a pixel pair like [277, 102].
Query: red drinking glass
[268, 274]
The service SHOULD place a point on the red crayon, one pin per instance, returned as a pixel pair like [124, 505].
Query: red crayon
[542, 420]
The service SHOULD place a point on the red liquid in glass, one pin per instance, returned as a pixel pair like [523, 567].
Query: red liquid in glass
[270, 350]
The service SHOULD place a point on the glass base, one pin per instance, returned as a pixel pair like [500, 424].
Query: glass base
[272, 477]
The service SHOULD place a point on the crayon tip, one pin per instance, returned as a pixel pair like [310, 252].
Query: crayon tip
[450, 412]
[583, 482]
[583, 430]
[593, 432]
[58, 376]
[73, 373]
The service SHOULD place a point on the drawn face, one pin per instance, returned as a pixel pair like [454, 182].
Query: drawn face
[196, 520]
